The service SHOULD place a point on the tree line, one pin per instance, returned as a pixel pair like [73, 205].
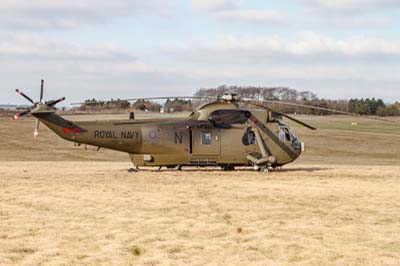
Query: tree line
[359, 106]
[97, 105]
[175, 105]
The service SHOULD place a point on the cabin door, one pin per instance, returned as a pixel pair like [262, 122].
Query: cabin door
[205, 141]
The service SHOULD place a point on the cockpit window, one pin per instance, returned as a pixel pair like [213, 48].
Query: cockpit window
[282, 124]
[284, 134]
[295, 141]
[287, 134]
[294, 137]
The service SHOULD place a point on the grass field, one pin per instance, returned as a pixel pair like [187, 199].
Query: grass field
[339, 204]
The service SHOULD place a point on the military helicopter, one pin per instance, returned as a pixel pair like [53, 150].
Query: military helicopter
[219, 133]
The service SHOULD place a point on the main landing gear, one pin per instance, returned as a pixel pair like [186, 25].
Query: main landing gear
[132, 170]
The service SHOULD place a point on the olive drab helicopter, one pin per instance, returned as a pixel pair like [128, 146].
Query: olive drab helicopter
[227, 132]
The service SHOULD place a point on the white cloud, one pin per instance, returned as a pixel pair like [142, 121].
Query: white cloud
[48, 14]
[80, 71]
[305, 46]
[27, 47]
[353, 4]
[105, 71]
[309, 60]
[229, 10]
[328, 80]
[354, 21]
[365, 14]
[252, 16]
[215, 5]
[35, 57]
[332, 67]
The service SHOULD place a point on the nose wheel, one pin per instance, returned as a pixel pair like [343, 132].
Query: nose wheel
[264, 169]
[261, 169]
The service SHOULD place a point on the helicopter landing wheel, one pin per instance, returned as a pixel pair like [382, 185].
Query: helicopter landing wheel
[132, 170]
[264, 169]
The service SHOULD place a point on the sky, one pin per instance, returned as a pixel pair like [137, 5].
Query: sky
[133, 48]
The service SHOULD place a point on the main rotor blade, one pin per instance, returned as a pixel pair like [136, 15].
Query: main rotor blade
[297, 121]
[54, 102]
[170, 97]
[18, 116]
[285, 115]
[41, 90]
[315, 108]
[156, 98]
[24, 95]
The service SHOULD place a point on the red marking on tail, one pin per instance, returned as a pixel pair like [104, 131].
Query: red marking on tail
[72, 130]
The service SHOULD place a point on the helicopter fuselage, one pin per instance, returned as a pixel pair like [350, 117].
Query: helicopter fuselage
[181, 142]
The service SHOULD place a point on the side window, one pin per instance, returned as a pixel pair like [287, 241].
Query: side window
[205, 138]
[249, 137]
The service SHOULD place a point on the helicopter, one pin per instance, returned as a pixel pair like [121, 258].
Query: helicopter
[227, 132]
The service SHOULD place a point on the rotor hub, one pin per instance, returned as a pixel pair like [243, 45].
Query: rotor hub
[230, 97]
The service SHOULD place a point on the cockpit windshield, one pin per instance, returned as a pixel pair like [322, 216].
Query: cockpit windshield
[284, 134]
[287, 134]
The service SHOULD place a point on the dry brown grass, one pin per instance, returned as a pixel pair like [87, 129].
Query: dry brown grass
[62, 205]
[82, 213]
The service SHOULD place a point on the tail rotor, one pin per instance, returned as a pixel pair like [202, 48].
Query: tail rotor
[37, 107]
[41, 90]
[36, 131]
[18, 116]
[24, 113]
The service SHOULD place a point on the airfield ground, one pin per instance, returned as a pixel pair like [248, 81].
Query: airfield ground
[339, 204]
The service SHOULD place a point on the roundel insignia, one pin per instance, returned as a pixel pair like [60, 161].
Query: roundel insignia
[152, 134]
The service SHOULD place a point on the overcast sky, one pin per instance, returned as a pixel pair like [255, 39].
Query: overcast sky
[135, 48]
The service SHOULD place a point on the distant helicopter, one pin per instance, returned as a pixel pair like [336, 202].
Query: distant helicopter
[220, 133]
